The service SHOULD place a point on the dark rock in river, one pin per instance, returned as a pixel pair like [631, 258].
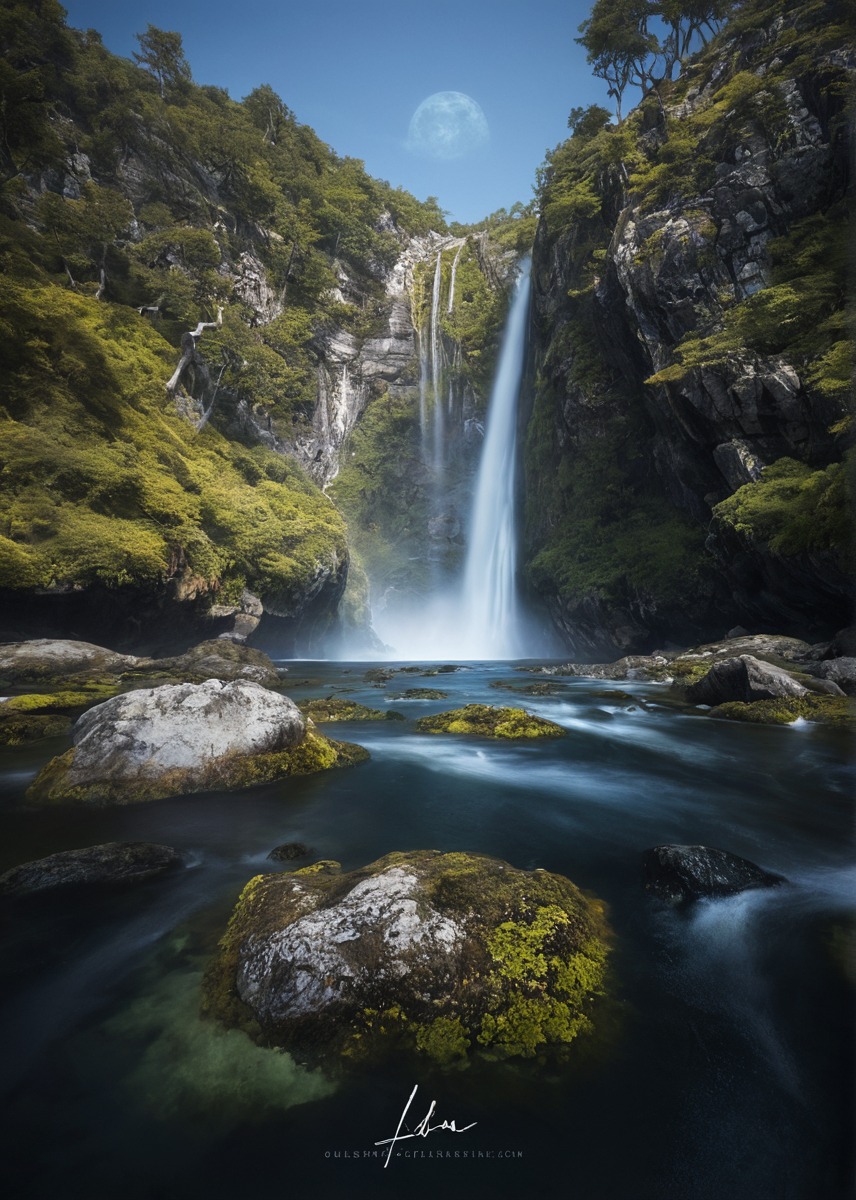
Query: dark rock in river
[696, 872]
[745, 679]
[423, 951]
[106, 865]
[288, 852]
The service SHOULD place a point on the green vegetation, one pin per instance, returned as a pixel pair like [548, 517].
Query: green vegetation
[598, 519]
[102, 482]
[165, 202]
[793, 510]
[333, 709]
[486, 721]
[828, 710]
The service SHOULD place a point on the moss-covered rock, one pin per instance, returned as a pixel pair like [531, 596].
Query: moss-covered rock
[171, 740]
[218, 658]
[486, 721]
[827, 710]
[333, 709]
[441, 955]
[420, 694]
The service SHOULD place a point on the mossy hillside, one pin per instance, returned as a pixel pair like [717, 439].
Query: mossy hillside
[525, 981]
[485, 721]
[587, 423]
[313, 753]
[102, 483]
[794, 510]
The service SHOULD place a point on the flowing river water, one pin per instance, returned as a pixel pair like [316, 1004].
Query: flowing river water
[719, 1069]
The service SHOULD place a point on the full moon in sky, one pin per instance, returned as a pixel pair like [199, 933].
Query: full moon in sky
[447, 125]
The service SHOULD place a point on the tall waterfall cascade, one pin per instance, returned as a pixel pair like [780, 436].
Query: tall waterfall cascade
[489, 618]
[476, 614]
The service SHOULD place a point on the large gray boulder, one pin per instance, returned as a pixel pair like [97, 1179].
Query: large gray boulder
[437, 954]
[841, 671]
[177, 738]
[107, 865]
[743, 678]
[58, 658]
[682, 873]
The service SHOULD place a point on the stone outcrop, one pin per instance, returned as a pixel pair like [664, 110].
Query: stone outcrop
[745, 679]
[59, 658]
[684, 873]
[437, 954]
[111, 864]
[165, 741]
[620, 403]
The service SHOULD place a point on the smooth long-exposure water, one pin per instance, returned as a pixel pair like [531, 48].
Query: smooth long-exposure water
[720, 1070]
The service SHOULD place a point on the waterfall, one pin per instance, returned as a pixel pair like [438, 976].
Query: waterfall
[489, 616]
[477, 616]
[454, 273]
[439, 438]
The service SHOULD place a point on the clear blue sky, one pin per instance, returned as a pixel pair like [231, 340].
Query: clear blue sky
[356, 70]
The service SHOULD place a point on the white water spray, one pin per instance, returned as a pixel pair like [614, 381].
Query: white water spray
[489, 620]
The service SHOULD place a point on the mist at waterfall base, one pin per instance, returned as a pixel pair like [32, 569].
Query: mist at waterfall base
[480, 614]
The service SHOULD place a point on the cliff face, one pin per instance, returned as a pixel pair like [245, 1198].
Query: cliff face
[201, 298]
[691, 363]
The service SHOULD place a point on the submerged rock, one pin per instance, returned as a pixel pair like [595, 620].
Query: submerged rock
[745, 679]
[440, 954]
[288, 852]
[106, 865]
[695, 872]
[487, 721]
[165, 741]
[421, 694]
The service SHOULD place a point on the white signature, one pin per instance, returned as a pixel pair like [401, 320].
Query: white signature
[422, 1129]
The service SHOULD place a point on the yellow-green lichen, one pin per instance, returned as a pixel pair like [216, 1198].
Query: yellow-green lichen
[828, 710]
[486, 721]
[334, 709]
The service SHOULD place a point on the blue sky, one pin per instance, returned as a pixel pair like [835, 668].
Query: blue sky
[356, 70]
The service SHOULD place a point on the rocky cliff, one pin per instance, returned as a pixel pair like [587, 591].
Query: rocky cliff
[201, 300]
[691, 371]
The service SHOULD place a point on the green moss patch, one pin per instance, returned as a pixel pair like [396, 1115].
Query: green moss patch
[827, 710]
[333, 709]
[486, 721]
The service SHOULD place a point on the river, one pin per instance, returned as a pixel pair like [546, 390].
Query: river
[720, 1070]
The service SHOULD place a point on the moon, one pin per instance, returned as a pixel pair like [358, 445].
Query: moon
[447, 125]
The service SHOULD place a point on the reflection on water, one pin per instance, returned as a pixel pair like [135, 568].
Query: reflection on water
[728, 1072]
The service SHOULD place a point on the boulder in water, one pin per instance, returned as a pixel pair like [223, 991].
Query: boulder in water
[58, 658]
[486, 721]
[107, 865]
[187, 737]
[685, 873]
[288, 852]
[438, 954]
[744, 679]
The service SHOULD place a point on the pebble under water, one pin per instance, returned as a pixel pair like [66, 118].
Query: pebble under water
[721, 1071]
